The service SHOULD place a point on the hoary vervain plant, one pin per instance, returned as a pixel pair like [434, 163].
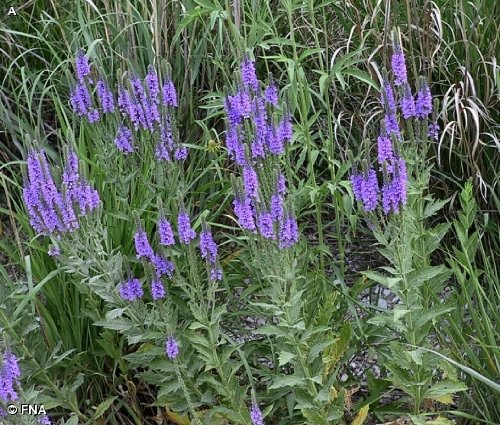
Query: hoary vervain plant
[398, 214]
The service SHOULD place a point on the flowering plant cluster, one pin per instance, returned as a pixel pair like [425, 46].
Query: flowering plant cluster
[414, 113]
[256, 136]
[175, 304]
[54, 209]
[161, 266]
[142, 106]
[9, 380]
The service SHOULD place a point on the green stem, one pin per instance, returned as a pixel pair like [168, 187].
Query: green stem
[185, 391]
[406, 298]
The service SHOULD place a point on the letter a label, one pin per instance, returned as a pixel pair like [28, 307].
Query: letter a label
[11, 12]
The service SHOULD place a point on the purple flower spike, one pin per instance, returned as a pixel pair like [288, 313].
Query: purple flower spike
[392, 126]
[265, 225]
[161, 152]
[289, 233]
[9, 374]
[157, 289]
[215, 274]
[394, 192]
[171, 348]
[356, 180]
[235, 148]
[248, 76]
[142, 246]
[80, 99]
[245, 103]
[276, 207]
[166, 233]
[51, 209]
[163, 266]
[275, 141]
[250, 181]
[369, 190]
[208, 247]
[231, 106]
[54, 251]
[169, 93]
[44, 420]
[123, 140]
[256, 415]
[244, 213]
[81, 65]
[384, 145]
[137, 88]
[398, 63]
[125, 101]
[105, 97]
[93, 116]
[403, 180]
[285, 128]
[423, 105]
[433, 131]
[388, 98]
[186, 233]
[181, 153]
[271, 94]
[281, 186]
[408, 104]
[152, 83]
[131, 290]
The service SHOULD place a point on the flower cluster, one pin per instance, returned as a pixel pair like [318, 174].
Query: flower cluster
[80, 97]
[9, 378]
[415, 110]
[257, 133]
[256, 415]
[142, 105]
[54, 210]
[171, 348]
[209, 252]
[131, 290]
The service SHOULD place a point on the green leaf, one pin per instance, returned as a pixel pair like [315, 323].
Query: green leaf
[73, 420]
[424, 275]
[105, 405]
[432, 314]
[197, 325]
[400, 312]
[115, 324]
[48, 402]
[271, 330]
[389, 282]
[288, 381]
[314, 417]
[444, 388]
[434, 206]
[285, 357]
[361, 76]
[77, 383]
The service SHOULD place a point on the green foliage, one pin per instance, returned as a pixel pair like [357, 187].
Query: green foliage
[407, 243]
[473, 342]
[282, 328]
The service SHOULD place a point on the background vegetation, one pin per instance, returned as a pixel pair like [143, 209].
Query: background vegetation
[327, 57]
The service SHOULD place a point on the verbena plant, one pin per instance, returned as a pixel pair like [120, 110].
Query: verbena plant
[222, 379]
[398, 212]
[231, 373]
